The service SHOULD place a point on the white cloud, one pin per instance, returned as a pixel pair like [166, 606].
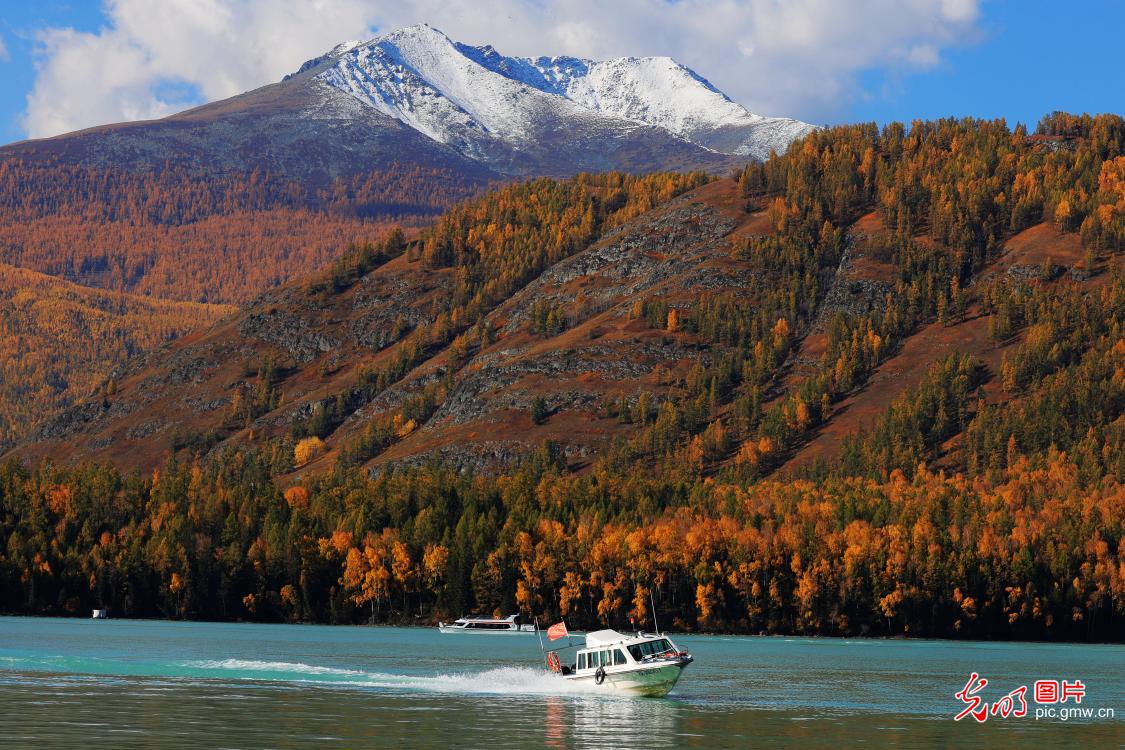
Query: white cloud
[922, 55]
[218, 47]
[798, 58]
[3, 51]
[960, 10]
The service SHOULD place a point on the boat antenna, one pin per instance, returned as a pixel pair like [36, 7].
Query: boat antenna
[539, 633]
[652, 602]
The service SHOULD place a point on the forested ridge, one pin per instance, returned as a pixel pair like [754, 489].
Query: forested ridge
[168, 234]
[59, 340]
[176, 234]
[983, 502]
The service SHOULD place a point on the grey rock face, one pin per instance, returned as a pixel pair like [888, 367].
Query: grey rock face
[848, 294]
[201, 405]
[628, 264]
[289, 332]
[145, 429]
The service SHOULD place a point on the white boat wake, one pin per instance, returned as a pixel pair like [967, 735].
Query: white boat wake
[255, 666]
[497, 681]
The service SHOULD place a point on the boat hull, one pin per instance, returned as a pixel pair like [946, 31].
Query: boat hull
[649, 681]
[448, 629]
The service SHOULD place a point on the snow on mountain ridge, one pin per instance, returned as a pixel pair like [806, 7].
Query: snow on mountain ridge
[419, 77]
[653, 90]
[483, 103]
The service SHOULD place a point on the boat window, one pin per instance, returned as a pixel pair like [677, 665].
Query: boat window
[484, 625]
[618, 656]
[582, 661]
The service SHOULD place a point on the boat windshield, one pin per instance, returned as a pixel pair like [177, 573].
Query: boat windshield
[650, 648]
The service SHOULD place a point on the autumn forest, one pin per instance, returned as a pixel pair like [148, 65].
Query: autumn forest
[785, 477]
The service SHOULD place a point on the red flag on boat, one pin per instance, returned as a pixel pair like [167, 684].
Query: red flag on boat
[556, 631]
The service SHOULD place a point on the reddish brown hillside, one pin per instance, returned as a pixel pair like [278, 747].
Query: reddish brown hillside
[1023, 257]
[187, 391]
[603, 354]
[572, 357]
[296, 350]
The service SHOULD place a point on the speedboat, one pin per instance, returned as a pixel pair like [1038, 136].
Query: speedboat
[643, 664]
[487, 625]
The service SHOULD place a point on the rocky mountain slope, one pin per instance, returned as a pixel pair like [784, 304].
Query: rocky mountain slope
[483, 403]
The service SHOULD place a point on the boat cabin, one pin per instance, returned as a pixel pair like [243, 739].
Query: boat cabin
[608, 648]
[640, 664]
[482, 623]
[509, 624]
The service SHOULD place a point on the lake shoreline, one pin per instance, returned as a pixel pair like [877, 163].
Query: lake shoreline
[690, 633]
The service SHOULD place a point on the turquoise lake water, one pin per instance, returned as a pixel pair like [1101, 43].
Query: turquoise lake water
[154, 684]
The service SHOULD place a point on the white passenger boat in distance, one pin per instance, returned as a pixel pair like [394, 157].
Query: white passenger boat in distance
[643, 664]
[488, 626]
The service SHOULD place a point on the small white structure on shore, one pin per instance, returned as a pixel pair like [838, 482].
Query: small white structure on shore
[100, 614]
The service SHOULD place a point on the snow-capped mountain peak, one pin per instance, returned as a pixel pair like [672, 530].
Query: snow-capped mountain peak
[486, 105]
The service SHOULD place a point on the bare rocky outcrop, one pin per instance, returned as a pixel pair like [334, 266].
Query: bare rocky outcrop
[70, 421]
[146, 429]
[200, 405]
[849, 293]
[627, 263]
[489, 389]
[289, 332]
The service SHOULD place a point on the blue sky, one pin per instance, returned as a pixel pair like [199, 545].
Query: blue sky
[18, 23]
[998, 58]
[1033, 57]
